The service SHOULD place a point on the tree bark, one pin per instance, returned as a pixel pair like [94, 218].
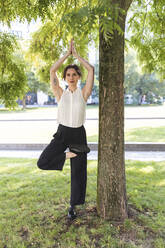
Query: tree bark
[111, 182]
[24, 102]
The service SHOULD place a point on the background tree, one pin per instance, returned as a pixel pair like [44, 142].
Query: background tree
[141, 86]
[147, 34]
[149, 89]
[34, 84]
[132, 72]
[12, 77]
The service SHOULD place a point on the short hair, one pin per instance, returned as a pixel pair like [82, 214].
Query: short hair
[77, 69]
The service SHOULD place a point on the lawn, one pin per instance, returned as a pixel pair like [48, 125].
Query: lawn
[34, 204]
[141, 134]
[146, 134]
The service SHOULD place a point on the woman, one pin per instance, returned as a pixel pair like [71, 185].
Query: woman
[71, 132]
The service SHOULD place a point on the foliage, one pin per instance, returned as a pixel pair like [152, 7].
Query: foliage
[12, 78]
[24, 10]
[15, 80]
[147, 31]
[34, 84]
[81, 22]
[48, 44]
[138, 84]
[150, 87]
[131, 76]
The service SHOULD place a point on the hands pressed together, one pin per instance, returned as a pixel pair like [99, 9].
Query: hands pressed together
[72, 49]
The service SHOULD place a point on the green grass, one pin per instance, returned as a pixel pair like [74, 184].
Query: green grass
[146, 134]
[93, 138]
[142, 134]
[33, 207]
[143, 105]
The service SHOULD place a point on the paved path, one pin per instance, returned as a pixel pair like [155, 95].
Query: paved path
[141, 156]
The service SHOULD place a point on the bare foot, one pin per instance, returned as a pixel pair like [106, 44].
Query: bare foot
[70, 155]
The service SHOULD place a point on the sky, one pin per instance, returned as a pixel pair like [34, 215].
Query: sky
[24, 28]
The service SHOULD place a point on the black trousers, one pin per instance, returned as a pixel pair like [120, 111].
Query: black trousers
[53, 158]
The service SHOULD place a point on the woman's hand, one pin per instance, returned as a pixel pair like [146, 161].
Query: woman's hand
[74, 53]
[70, 48]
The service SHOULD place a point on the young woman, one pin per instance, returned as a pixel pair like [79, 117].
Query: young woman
[71, 132]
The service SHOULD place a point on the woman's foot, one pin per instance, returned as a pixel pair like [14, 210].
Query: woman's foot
[71, 213]
[70, 155]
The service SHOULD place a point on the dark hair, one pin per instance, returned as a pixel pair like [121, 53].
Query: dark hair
[77, 69]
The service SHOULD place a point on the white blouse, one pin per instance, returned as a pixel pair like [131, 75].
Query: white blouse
[71, 108]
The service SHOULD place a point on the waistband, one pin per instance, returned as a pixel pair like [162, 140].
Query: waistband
[60, 126]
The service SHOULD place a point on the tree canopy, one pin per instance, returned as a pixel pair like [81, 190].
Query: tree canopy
[63, 19]
[138, 84]
[145, 24]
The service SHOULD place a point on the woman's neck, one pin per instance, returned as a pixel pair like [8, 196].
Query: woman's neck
[72, 88]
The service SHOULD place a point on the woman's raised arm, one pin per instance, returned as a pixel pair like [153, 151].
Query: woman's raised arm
[87, 89]
[54, 81]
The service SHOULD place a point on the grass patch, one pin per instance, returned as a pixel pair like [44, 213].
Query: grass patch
[34, 204]
[142, 134]
[143, 105]
[93, 138]
[146, 134]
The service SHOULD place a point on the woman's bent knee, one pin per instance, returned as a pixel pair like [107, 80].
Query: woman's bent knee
[42, 164]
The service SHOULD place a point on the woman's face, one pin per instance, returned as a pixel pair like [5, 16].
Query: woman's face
[72, 77]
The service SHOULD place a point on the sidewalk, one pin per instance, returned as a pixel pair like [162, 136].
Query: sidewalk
[143, 151]
[129, 146]
[129, 155]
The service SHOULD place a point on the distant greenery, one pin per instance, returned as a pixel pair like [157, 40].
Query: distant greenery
[13, 80]
[143, 87]
[34, 205]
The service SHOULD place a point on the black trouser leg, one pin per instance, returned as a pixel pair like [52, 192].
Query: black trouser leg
[53, 156]
[78, 179]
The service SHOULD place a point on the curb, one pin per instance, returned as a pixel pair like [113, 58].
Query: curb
[129, 146]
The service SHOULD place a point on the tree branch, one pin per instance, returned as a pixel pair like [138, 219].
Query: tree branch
[127, 4]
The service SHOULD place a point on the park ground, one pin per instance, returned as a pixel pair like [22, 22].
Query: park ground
[34, 205]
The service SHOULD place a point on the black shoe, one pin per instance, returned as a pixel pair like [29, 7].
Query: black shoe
[72, 214]
[79, 148]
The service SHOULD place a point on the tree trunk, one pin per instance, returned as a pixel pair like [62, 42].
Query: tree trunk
[24, 102]
[111, 183]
